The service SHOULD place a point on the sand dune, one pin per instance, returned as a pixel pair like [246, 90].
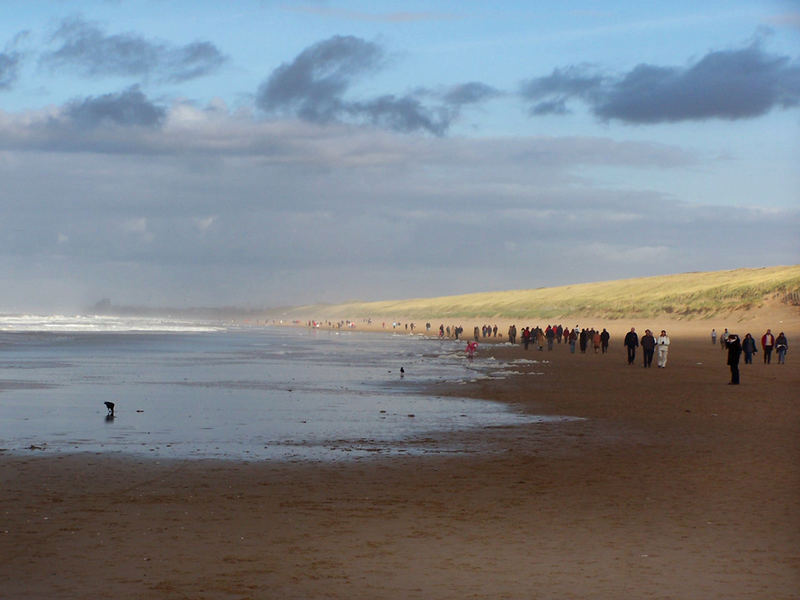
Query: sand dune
[685, 296]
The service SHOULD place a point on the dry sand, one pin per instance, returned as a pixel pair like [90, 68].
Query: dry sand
[675, 485]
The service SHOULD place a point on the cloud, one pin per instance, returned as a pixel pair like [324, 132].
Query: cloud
[90, 51]
[558, 87]
[10, 63]
[192, 61]
[129, 123]
[11, 59]
[315, 84]
[402, 114]
[470, 93]
[728, 84]
[217, 207]
[128, 108]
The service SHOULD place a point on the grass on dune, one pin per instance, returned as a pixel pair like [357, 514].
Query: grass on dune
[688, 295]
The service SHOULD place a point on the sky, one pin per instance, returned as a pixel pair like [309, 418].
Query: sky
[267, 153]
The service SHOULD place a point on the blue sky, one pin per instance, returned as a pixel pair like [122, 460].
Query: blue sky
[262, 153]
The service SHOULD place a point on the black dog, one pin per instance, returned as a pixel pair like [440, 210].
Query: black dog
[110, 407]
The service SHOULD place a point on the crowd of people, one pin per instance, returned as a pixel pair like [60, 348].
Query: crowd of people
[576, 338]
[552, 334]
[649, 344]
[652, 346]
[736, 347]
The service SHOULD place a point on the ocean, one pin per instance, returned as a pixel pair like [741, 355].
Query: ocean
[190, 389]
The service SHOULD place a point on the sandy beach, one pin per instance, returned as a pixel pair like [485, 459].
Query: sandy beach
[674, 485]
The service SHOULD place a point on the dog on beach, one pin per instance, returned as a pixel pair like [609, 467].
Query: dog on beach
[110, 407]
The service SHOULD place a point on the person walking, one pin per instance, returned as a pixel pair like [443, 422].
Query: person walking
[648, 347]
[749, 348]
[662, 343]
[631, 343]
[767, 343]
[713, 337]
[781, 347]
[734, 347]
[583, 338]
[604, 338]
[573, 337]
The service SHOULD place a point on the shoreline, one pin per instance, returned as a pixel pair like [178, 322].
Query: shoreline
[676, 485]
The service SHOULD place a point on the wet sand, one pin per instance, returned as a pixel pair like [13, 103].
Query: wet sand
[675, 485]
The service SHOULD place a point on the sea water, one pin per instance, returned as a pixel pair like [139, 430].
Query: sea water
[192, 389]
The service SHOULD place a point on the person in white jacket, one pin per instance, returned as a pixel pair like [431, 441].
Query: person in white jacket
[662, 343]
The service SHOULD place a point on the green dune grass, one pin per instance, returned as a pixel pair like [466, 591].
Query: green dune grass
[687, 295]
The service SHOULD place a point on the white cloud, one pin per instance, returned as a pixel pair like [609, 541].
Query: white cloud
[137, 225]
[204, 223]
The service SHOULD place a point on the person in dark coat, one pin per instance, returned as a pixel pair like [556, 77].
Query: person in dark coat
[648, 347]
[631, 343]
[781, 347]
[550, 335]
[734, 346]
[749, 348]
[582, 339]
[604, 337]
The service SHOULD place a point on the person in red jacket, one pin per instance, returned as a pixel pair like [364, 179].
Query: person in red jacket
[767, 343]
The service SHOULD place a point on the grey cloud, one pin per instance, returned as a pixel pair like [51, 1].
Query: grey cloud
[560, 86]
[402, 114]
[731, 84]
[314, 85]
[127, 108]
[728, 85]
[10, 63]
[195, 133]
[578, 80]
[550, 107]
[11, 60]
[192, 61]
[129, 215]
[86, 48]
[470, 93]
[294, 198]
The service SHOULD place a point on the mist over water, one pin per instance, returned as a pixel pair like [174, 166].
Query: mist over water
[190, 389]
